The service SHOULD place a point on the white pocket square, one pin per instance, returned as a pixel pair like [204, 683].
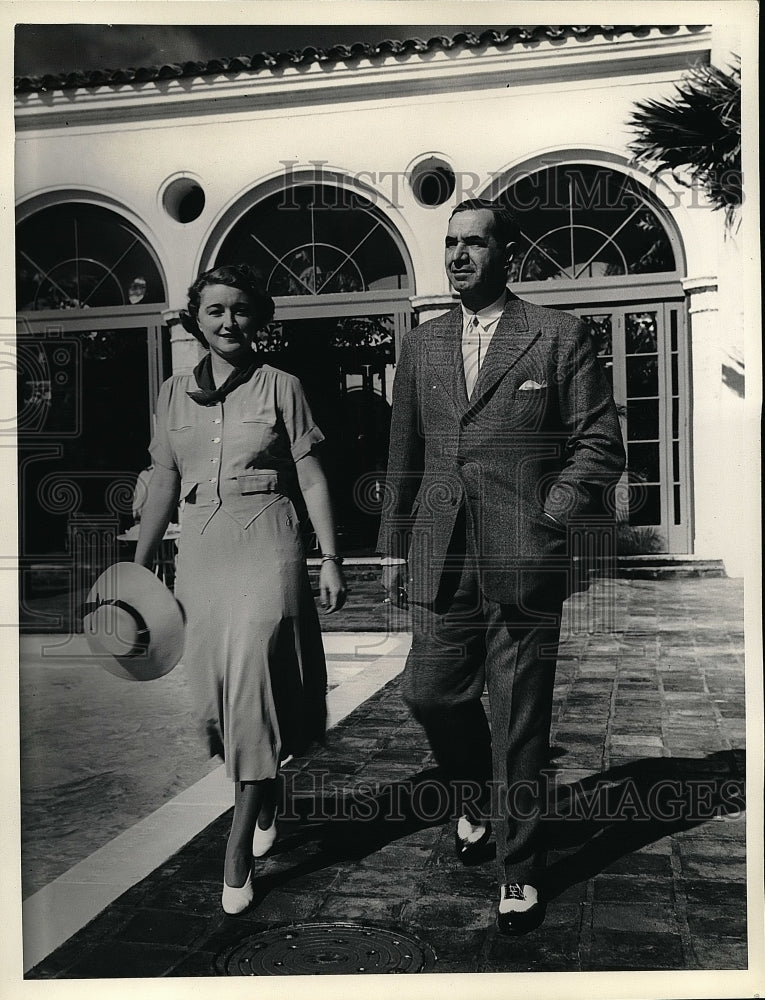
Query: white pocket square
[531, 384]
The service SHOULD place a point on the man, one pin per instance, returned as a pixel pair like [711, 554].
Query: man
[504, 438]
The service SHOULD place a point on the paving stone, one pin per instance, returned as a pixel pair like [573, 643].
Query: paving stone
[395, 857]
[454, 878]
[367, 909]
[189, 897]
[285, 907]
[427, 837]
[696, 867]
[321, 881]
[617, 949]
[720, 953]
[195, 964]
[718, 920]
[631, 891]
[457, 950]
[727, 849]
[639, 865]
[709, 892]
[569, 895]
[448, 911]
[383, 882]
[154, 927]
[628, 916]
[565, 915]
[125, 960]
[547, 949]
[336, 764]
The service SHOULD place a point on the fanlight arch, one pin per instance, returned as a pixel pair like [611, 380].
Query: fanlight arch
[582, 221]
[77, 255]
[317, 240]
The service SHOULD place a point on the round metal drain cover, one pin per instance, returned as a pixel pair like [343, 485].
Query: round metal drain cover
[341, 949]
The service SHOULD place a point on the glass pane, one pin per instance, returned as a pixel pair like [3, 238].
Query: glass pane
[600, 328]
[643, 419]
[641, 333]
[316, 240]
[676, 503]
[675, 418]
[642, 376]
[540, 263]
[643, 462]
[675, 460]
[645, 244]
[75, 256]
[645, 504]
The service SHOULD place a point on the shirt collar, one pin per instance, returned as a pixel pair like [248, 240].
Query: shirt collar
[489, 314]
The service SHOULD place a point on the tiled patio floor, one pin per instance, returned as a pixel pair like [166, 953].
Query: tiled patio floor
[647, 838]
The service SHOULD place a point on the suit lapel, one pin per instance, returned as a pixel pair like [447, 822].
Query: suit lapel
[511, 340]
[445, 357]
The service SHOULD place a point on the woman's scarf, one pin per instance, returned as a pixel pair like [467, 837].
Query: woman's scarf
[208, 395]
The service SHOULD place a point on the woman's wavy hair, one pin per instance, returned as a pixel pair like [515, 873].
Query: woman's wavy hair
[240, 276]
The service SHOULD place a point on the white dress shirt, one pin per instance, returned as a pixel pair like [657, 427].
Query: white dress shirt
[477, 331]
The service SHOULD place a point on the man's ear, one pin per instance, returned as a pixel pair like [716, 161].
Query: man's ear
[510, 252]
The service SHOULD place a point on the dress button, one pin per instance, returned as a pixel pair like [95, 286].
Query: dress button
[216, 440]
[217, 420]
[213, 459]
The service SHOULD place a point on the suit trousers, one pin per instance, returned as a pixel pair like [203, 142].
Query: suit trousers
[463, 642]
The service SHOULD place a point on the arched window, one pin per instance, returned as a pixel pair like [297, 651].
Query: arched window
[82, 256]
[582, 221]
[317, 240]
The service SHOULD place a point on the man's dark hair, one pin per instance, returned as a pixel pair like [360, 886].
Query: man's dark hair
[507, 228]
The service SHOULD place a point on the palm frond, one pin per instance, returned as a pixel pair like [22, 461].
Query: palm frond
[697, 131]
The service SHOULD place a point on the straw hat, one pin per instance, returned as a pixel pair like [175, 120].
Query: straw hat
[133, 623]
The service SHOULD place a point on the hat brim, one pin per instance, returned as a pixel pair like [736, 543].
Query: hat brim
[139, 588]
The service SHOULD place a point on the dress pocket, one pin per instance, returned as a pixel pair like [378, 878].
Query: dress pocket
[189, 490]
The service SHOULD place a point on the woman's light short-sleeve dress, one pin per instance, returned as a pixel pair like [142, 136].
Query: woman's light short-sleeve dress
[253, 649]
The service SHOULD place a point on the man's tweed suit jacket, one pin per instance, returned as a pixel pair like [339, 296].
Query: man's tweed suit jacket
[539, 435]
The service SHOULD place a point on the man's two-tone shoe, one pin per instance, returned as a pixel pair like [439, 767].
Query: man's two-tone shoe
[471, 841]
[520, 909]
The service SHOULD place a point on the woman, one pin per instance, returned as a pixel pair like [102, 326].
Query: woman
[236, 442]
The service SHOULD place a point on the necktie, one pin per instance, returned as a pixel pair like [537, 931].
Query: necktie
[472, 355]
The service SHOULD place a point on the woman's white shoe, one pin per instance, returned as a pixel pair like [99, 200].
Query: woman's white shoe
[236, 900]
[263, 840]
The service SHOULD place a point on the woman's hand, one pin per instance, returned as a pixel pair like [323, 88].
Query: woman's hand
[331, 586]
